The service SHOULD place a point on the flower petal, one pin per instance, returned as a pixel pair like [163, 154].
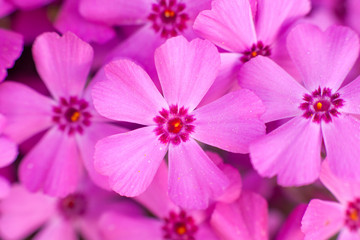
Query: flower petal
[130, 160]
[194, 179]
[11, 46]
[127, 94]
[351, 95]
[186, 70]
[23, 212]
[63, 63]
[323, 58]
[344, 191]
[115, 226]
[119, 12]
[322, 219]
[52, 165]
[69, 19]
[231, 122]
[280, 93]
[26, 111]
[272, 15]
[291, 151]
[291, 229]
[346, 234]
[8, 151]
[86, 143]
[341, 138]
[57, 229]
[247, 218]
[229, 24]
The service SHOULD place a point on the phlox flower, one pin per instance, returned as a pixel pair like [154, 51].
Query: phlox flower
[72, 126]
[246, 29]
[324, 219]
[291, 229]
[321, 113]
[23, 212]
[172, 123]
[11, 46]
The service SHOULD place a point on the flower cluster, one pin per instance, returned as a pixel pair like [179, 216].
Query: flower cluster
[170, 119]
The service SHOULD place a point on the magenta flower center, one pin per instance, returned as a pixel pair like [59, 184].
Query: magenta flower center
[321, 105]
[256, 49]
[174, 125]
[168, 18]
[179, 226]
[352, 218]
[72, 206]
[72, 115]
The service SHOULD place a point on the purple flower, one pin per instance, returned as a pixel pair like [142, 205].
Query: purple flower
[323, 219]
[73, 126]
[320, 111]
[186, 71]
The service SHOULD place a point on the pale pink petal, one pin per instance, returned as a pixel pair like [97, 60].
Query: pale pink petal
[226, 78]
[344, 191]
[323, 58]
[193, 8]
[69, 19]
[291, 229]
[291, 151]
[127, 94]
[351, 95]
[352, 14]
[30, 4]
[229, 24]
[194, 179]
[186, 70]
[27, 112]
[89, 228]
[86, 143]
[130, 160]
[346, 234]
[11, 46]
[156, 198]
[57, 229]
[280, 93]
[8, 151]
[231, 122]
[322, 219]
[205, 231]
[246, 218]
[341, 138]
[23, 212]
[272, 15]
[4, 188]
[63, 63]
[116, 11]
[115, 226]
[53, 165]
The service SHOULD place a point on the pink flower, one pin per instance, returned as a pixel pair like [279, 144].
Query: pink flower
[11, 46]
[291, 229]
[323, 219]
[23, 212]
[320, 110]
[246, 218]
[186, 71]
[55, 164]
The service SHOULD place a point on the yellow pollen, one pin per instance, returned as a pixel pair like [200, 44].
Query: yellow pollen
[254, 53]
[75, 116]
[177, 124]
[181, 230]
[319, 106]
[169, 13]
[354, 215]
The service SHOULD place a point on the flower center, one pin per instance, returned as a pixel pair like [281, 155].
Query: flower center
[72, 115]
[174, 125]
[255, 50]
[73, 205]
[168, 18]
[352, 218]
[179, 226]
[321, 105]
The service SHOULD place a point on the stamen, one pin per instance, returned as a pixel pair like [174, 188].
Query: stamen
[255, 50]
[318, 106]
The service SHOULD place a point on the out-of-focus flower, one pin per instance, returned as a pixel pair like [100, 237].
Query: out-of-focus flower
[318, 109]
[55, 163]
[323, 219]
[291, 229]
[186, 71]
